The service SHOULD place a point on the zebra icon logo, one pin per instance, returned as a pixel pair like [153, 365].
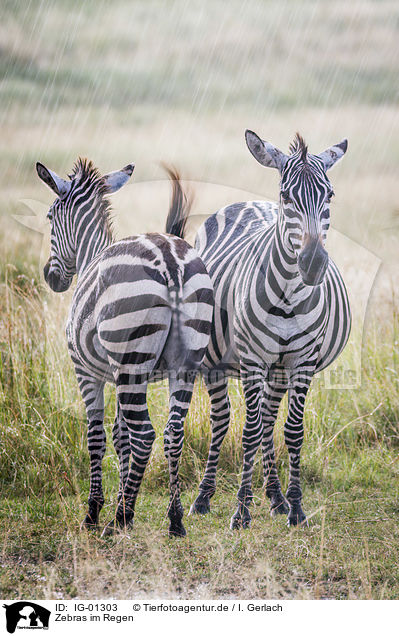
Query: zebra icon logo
[26, 615]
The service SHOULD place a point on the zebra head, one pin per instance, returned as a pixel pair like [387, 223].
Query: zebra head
[80, 205]
[305, 195]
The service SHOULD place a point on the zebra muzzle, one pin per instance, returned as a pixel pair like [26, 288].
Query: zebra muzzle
[313, 262]
[54, 280]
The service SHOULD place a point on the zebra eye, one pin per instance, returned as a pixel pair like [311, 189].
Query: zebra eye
[49, 216]
[285, 196]
[330, 195]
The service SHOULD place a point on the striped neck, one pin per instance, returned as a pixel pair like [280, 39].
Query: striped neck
[93, 235]
[283, 254]
[283, 280]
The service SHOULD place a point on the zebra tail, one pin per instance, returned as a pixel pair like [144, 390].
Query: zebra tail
[182, 359]
[180, 205]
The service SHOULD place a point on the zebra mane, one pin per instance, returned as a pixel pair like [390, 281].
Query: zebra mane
[84, 171]
[299, 145]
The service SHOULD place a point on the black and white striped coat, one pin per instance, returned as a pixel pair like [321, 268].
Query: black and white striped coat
[281, 314]
[141, 311]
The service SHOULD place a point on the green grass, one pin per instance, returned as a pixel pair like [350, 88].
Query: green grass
[349, 468]
[46, 555]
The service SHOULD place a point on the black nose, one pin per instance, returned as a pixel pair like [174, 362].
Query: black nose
[312, 262]
[53, 279]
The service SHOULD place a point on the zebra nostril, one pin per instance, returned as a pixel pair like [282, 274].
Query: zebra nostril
[53, 280]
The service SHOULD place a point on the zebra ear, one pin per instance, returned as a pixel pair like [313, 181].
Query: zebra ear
[53, 181]
[267, 154]
[333, 154]
[115, 180]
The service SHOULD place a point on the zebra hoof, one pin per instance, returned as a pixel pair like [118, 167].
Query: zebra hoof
[240, 520]
[279, 506]
[297, 517]
[201, 506]
[177, 530]
[109, 529]
[235, 523]
[116, 526]
[89, 523]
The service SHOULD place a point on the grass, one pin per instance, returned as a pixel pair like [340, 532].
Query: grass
[356, 557]
[180, 82]
[162, 57]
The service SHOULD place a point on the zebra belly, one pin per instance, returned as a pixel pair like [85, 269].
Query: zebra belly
[266, 352]
[338, 325]
[87, 353]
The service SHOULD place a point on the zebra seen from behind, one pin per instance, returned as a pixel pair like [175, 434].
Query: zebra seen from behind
[281, 314]
[141, 310]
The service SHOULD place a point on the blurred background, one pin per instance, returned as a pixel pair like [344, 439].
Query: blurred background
[150, 81]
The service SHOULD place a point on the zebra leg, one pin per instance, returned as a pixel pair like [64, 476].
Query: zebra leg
[220, 418]
[132, 399]
[251, 439]
[270, 405]
[179, 402]
[93, 396]
[120, 437]
[293, 433]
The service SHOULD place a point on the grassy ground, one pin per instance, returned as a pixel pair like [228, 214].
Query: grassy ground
[151, 81]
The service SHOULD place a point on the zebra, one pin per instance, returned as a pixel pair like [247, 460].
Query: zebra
[141, 311]
[281, 314]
